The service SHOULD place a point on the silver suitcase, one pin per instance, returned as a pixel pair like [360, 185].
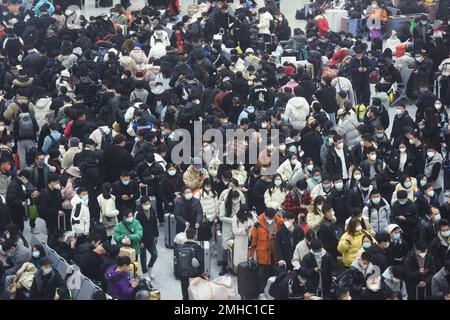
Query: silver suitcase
[170, 229]
[219, 248]
[270, 281]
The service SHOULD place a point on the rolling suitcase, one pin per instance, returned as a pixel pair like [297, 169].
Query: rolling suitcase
[170, 229]
[207, 256]
[334, 17]
[176, 271]
[232, 266]
[248, 282]
[270, 281]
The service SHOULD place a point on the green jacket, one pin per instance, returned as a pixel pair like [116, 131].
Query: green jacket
[135, 237]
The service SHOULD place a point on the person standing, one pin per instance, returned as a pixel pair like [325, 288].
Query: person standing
[50, 204]
[146, 215]
[287, 238]
[129, 232]
[360, 69]
[18, 197]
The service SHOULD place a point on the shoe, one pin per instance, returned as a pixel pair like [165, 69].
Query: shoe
[146, 276]
[222, 272]
[150, 274]
[35, 231]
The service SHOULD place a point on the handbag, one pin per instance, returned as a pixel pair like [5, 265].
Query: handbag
[342, 93]
[33, 211]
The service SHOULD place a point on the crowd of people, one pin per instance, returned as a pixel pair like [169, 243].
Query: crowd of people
[89, 115]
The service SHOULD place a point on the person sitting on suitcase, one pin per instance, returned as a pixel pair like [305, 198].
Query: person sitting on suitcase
[190, 261]
[129, 232]
[263, 241]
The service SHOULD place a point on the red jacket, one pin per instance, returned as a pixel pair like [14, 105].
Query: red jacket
[262, 241]
[322, 25]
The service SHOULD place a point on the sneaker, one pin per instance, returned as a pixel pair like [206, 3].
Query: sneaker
[222, 272]
[150, 274]
[146, 276]
[35, 231]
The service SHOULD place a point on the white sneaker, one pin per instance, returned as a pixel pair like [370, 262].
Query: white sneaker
[35, 231]
[150, 274]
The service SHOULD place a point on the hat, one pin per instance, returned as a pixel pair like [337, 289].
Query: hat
[289, 70]
[392, 227]
[22, 73]
[338, 57]
[74, 171]
[74, 142]
[65, 73]
[249, 51]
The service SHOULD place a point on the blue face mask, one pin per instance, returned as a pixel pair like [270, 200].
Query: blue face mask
[408, 185]
[403, 201]
[42, 162]
[317, 178]
[380, 135]
[376, 200]
[396, 236]
[366, 245]
[445, 234]
[327, 186]
[9, 254]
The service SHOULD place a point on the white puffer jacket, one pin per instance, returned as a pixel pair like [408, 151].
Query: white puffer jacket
[210, 205]
[275, 198]
[80, 217]
[264, 23]
[108, 213]
[138, 55]
[297, 109]
[41, 109]
[348, 128]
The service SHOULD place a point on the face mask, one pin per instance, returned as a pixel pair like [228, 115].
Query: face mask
[2, 128]
[357, 177]
[445, 234]
[374, 6]
[129, 220]
[171, 172]
[399, 111]
[423, 23]
[317, 178]
[376, 200]
[301, 192]
[294, 162]
[358, 228]
[46, 270]
[373, 287]
[9, 254]
[264, 125]
[269, 221]
[423, 183]
[316, 253]
[320, 206]
[430, 193]
[365, 189]
[36, 254]
[288, 224]
[42, 162]
[386, 245]
[437, 217]
[402, 150]
[207, 189]
[363, 266]
[188, 196]
[380, 135]
[278, 182]
[309, 167]
[403, 201]
[146, 207]
[438, 106]
[396, 236]
[373, 157]
[12, 145]
[408, 184]
[366, 245]
[326, 186]
[282, 147]
[126, 182]
[339, 185]
[85, 198]
[361, 143]
[395, 280]
[422, 254]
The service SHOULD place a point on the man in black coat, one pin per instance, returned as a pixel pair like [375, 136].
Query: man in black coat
[327, 98]
[401, 120]
[49, 203]
[440, 245]
[259, 189]
[404, 213]
[360, 193]
[338, 200]
[126, 191]
[319, 269]
[91, 263]
[17, 198]
[377, 250]
[188, 211]
[312, 142]
[327, 231]
[360, 69]
[419, 270]
[428, 226]
[146, 215]
[287, 238]
[48, 284]
[117, 159]
[334, 161]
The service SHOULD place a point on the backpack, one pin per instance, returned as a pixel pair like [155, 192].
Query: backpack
[185, 255]
[55, 143]
[106, 138]
[26, 127]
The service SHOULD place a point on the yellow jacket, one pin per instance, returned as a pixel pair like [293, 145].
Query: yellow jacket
[349, 249]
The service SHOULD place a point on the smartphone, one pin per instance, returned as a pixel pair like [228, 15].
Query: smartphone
[143, 190]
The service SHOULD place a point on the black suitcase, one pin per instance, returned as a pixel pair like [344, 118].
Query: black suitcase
[248, 282]
[105, 3]
[176, 271]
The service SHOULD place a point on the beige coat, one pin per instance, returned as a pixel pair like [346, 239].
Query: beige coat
[192, 179]
[300, 251]
[68, 157]
[108, 213]
[227, 230]
[25, 276]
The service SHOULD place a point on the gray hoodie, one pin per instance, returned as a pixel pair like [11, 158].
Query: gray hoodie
[394, 286]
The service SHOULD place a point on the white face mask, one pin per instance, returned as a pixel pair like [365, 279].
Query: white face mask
[294, 162]
[357, 177]
[85, 198]
[188, 196]
[422, 254]
[430, 154]
[373, 157]
[339, 146]
[130, 219]
[269, 221]
[411, 141]
[288, 224]
[402, 150]
[2, 128]
[358, 228]
[146, 207]
[171, 172]
[57, 186]
[310, 167]
[438, 106]
[278, 182]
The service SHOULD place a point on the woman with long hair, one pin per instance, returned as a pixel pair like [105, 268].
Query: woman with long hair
[242, 224]
[315, 213]
[276, 193]
[351, 242]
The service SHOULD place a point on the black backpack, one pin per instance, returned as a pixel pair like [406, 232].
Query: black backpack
[185, 255]
[55, 144]
[106, 138]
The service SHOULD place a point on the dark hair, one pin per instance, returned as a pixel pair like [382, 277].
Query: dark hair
[42, 252]
[229, 202]
[126, 212]
[123, 261]
[289, 215]
[421, 245]
[190, 233]
[270, 213]
[382, 237]
[310, 235]
[316, 244]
